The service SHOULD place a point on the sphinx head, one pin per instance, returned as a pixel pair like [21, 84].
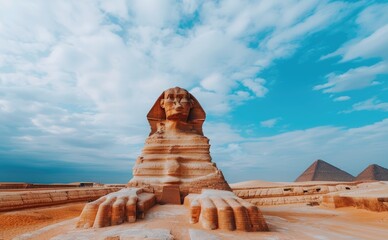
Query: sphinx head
[177, 104]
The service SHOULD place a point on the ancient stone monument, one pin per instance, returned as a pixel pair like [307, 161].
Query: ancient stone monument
[174, 163]
[176, 152]
[373, 172]
[323, 171]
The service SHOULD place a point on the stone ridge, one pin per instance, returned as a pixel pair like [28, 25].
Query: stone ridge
[27, 199]
[373, 172]
[290, 194]
[323, 171]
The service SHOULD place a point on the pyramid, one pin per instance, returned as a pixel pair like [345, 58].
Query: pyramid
[323, 171]
[373, 172]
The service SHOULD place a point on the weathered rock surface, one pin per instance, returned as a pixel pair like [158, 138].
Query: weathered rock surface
[27, 199]
[176, 152]
[222, 209]
[370, 196]
[123, 206]
[175, 161]
[290, 194]
[323, 171]
[122, 234]
[21, 185]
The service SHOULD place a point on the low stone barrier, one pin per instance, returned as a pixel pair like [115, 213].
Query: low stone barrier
[311, 194]
[376, 204]
[27, 199]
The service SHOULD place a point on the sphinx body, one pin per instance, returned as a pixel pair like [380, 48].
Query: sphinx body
[176, 156]
[176, 152]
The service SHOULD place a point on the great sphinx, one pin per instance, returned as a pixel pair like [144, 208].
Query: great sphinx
[176, 151]
[176, 161]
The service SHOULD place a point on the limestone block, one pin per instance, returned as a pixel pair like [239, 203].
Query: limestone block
[126, 205]
[171, 195]
[263, 192]
[343, 187]
[258, 192]
[36, 198]
[275, 191]
[58, 196]
[10, 201]
[222, 209]
[369, 203]
[238, 192]
[252, 193]
[324, 189]
[298, 190]
[332, 188]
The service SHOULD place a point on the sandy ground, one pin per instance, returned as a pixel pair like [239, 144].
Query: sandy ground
[23, 221]
[286, 222]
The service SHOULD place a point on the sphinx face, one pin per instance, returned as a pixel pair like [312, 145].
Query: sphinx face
[176, 104]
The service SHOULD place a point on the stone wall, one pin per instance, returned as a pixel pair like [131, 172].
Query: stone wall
[18, 200]
[288, 194]
[375, 204]
[370, 196]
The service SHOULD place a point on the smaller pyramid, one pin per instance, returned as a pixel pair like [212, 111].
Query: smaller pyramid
[373, 172]
[323, 171]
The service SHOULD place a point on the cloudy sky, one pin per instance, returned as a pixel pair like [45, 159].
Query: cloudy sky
[283, 83]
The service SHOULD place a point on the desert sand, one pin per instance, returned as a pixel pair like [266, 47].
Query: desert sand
[14, 223]
[287, 221]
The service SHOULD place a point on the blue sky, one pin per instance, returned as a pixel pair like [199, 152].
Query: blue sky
[283, 83]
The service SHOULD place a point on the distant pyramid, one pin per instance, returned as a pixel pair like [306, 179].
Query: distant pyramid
[373, 172]
[323, 171]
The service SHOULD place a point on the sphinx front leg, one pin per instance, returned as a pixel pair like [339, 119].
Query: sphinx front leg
[116, 208]
[224, 210]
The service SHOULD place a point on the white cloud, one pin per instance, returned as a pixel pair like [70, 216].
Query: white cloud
[371, 46]
[78, 78]
[256, 86]
[341, 99]
[4, 106]
[270, 158]
[282, 41]
[216, 83]
[161, 13]
[221, 133]
[370, 42]
[270, 123]
[371, 104]
[117, 8]
[355, 78]
[372, 18]
[46, 124]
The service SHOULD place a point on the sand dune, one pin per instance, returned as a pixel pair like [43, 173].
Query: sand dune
[15, 223]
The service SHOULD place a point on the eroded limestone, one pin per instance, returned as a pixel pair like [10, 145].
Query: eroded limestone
[177, 152]
[222, 209]
[126, 205]
[176, 158]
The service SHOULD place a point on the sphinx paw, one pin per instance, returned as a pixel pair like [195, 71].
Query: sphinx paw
[224, 210]
[126, 205]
